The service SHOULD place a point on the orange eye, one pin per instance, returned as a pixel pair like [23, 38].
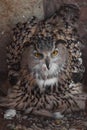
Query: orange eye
[55, 52]
[38, 55]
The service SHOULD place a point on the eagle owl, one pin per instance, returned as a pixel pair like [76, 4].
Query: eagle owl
[45, 65]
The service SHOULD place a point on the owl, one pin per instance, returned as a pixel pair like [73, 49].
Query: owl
[45, 65]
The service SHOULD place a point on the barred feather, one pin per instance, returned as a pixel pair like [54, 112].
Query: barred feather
[26, 94]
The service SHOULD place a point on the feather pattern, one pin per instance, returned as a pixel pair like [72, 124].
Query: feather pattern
[60, 93]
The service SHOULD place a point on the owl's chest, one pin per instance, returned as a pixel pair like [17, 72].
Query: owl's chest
[43, 84]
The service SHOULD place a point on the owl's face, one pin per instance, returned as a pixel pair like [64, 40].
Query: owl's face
[46, 60]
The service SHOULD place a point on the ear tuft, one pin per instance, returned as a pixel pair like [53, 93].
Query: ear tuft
[69, 13]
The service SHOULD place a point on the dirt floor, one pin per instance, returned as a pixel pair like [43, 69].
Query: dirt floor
[74, 121]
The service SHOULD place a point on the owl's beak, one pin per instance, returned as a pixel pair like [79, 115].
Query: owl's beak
[47, 61]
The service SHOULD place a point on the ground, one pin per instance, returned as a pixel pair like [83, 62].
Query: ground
[74, 121]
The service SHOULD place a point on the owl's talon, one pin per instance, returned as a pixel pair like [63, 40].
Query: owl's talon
[10, 114]
[58, 115]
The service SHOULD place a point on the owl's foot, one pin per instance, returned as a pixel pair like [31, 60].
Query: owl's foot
[45, 113]
[10, 114]
[57, 115]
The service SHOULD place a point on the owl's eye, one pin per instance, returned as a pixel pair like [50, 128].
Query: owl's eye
[54, 53]
[38, 55]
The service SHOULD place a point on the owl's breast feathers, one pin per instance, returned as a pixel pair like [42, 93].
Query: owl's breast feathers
[57, 95]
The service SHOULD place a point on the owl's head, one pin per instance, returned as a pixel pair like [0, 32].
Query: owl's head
[45, 59]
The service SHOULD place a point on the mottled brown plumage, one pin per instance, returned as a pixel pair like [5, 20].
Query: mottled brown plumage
[60, 31]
